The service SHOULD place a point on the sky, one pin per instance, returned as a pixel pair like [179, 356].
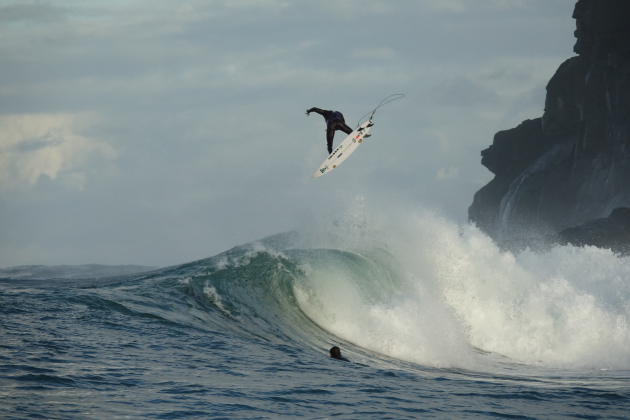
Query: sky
[161, 132]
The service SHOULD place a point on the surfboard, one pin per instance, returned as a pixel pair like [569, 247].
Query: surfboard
[345, 149]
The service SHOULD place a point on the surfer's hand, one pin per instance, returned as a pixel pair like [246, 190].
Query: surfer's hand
[307, 113]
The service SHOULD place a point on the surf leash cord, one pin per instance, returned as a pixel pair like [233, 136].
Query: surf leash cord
[384, 102]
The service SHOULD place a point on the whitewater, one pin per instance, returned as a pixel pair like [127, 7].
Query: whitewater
[436, 320]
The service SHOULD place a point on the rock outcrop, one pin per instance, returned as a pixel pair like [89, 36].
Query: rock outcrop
[612, 232]
[572, 165]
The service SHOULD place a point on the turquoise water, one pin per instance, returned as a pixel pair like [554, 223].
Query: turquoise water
[436, 321]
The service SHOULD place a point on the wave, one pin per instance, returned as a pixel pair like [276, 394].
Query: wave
[413, 287]
[42, 272]
[460, 300]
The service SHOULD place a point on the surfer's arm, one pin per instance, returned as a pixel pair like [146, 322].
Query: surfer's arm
[319, 111]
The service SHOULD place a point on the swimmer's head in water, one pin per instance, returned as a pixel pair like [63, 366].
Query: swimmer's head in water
[335, 352]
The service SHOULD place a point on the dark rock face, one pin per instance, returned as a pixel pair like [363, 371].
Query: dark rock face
[612, 232]
[573, 164]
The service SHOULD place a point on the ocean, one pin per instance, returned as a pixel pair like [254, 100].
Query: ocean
[436, 321]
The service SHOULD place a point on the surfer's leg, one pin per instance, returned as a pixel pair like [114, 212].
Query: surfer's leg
[343, 127]
[330, 135]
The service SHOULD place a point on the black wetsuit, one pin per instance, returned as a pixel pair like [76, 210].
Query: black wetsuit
[334, 121]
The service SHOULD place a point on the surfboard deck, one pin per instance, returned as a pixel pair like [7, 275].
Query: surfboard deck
[345, 149]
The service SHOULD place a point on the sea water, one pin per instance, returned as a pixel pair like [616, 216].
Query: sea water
[436, 321]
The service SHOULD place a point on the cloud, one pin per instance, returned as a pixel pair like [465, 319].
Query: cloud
[462, 91]
[461, 6]
[452, 6]
[32, 145]
[374, 53]
[447, 173]
[22, 11]
[508, 4]
[74, 180]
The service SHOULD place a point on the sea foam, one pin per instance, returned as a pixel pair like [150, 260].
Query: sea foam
[461, 300]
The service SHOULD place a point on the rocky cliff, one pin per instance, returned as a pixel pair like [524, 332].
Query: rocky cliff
[572, 165]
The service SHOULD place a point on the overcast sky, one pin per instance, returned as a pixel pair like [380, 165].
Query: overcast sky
[160, 132]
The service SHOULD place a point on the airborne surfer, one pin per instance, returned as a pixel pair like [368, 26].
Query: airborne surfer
[334, 121]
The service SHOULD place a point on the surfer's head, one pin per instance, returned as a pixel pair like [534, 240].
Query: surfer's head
[335, 353]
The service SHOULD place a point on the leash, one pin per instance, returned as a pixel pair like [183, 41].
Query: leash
[384, 102]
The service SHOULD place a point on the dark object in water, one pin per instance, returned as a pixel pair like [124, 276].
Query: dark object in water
[335, 353]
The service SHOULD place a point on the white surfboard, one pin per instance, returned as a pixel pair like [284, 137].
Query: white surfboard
[345, 149]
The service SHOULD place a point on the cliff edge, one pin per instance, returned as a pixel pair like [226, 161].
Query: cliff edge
[557, 175]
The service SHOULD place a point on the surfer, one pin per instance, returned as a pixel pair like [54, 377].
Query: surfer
[334, 121]
[335, 353]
